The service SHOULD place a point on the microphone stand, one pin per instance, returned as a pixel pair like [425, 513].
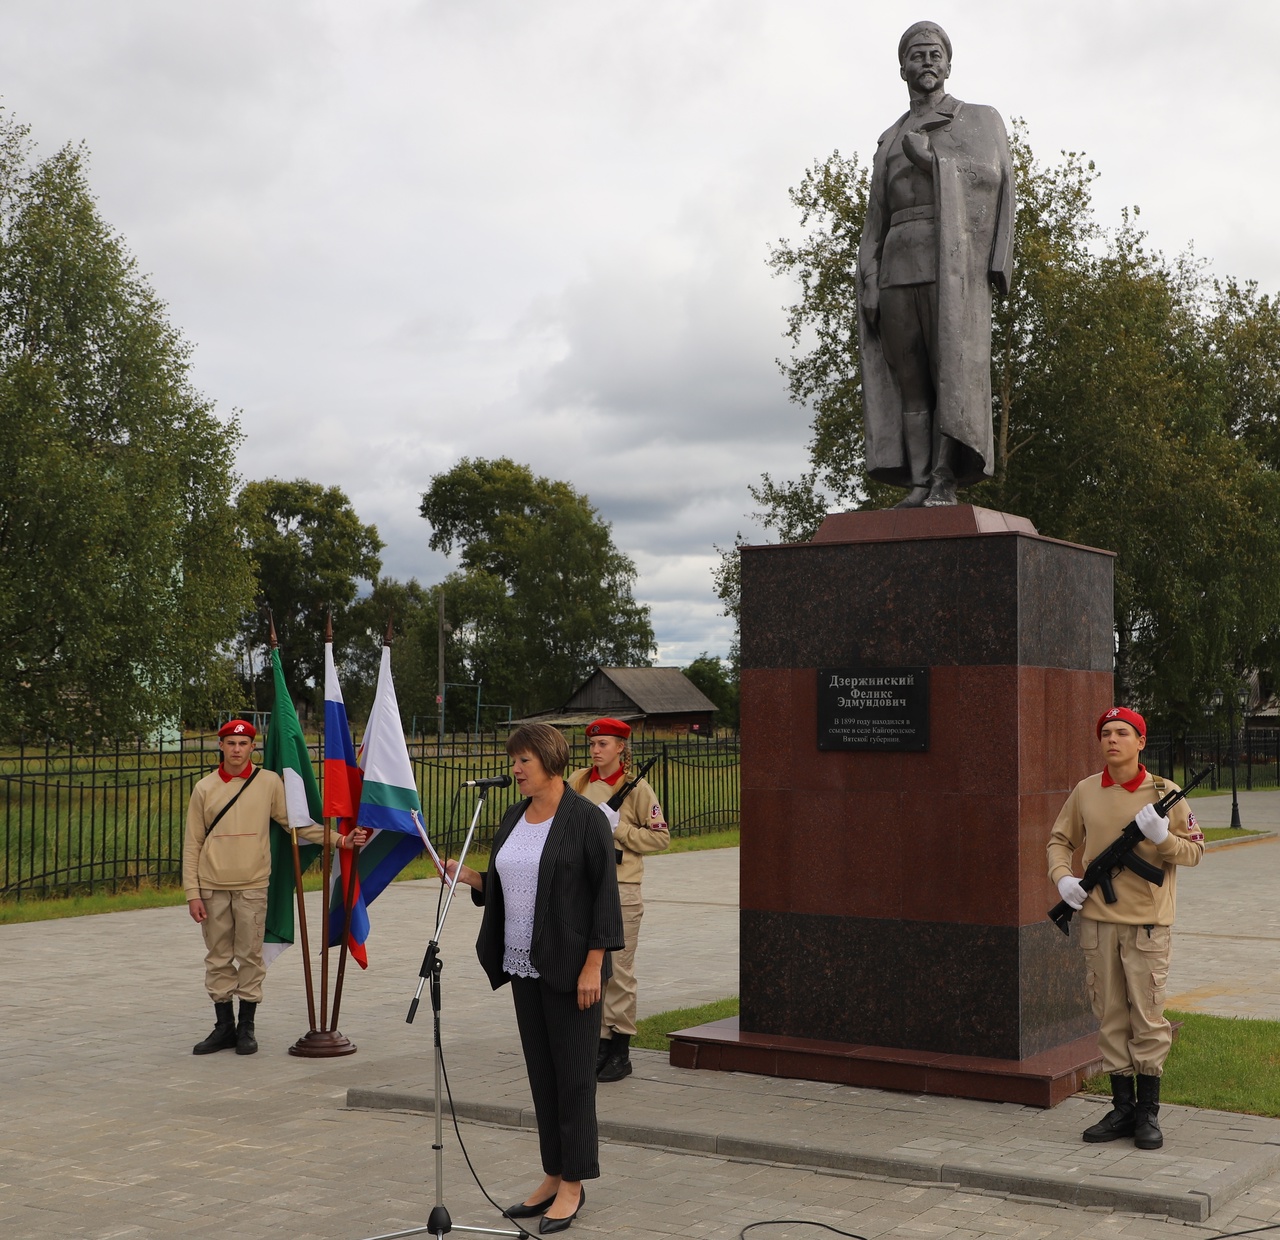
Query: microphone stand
[438, 1221]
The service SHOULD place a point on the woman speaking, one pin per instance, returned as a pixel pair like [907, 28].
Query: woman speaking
[551, 916]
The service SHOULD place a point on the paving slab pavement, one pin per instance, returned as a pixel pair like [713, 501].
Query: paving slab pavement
[1210, 1157]
[113, 1129]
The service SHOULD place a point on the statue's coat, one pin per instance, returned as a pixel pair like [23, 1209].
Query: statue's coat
[974, 210]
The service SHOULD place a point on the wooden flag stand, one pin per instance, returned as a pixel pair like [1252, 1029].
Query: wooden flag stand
[322, 1041]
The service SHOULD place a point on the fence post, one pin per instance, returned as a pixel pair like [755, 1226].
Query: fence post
[666, 793]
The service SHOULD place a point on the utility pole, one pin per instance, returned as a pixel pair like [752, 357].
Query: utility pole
[440, 632]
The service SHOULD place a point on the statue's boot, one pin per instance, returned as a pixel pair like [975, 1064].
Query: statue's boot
[917, 434]
[942, 482]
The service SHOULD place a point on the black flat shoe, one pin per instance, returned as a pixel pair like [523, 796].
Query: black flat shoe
[520, 1210]
[550, 1225]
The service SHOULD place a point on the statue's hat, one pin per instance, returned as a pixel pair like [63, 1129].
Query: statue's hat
[923, 32]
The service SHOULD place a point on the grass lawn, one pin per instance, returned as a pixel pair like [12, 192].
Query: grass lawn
[651, 1033]
[147, 896]
[1226, 833]
[1217, 1062]
[1221, 1063]
[13, 911]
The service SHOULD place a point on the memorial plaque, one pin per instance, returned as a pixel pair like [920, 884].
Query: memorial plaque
[873, 708]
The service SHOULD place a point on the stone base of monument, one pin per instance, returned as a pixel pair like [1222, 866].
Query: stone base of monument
[919, 694]
[1041, 1080]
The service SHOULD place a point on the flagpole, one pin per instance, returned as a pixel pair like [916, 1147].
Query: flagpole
[320, 1042]
[349, 899]
[326, 869]
[297, 881]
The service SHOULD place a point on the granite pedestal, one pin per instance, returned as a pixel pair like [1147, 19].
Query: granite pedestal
[893, 903]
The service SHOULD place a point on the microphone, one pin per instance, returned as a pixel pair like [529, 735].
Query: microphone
[494, 781]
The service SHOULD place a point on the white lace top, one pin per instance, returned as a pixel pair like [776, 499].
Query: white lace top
[517, 865]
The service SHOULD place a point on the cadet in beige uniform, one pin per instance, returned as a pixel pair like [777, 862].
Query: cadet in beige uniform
[226, 865]
[639, 827]
[1126, 944]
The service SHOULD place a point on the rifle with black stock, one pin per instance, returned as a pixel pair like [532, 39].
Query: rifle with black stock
[1119, 855]
[615, 801]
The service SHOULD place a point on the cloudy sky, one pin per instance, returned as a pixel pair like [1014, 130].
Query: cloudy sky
[399, 232]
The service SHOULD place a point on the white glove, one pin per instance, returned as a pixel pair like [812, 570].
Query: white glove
[1070, 890]
[1155, 828]
[611, 814]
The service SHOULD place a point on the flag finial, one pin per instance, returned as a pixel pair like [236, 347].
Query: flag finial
[273, 641]
[328, 626]
[387, 638]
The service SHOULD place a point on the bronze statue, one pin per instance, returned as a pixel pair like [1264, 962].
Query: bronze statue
[938, 238]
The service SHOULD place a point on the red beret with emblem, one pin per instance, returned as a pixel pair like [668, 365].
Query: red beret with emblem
[1122, 714]
[237, 727]
[609, 727]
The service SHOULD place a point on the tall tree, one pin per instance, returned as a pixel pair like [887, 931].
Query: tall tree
[311, 551]
[543, 595]
[720, 683]
[1135, 409]
[411, 609]
[121, 577]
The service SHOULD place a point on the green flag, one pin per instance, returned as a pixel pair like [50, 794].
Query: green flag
[286, 753]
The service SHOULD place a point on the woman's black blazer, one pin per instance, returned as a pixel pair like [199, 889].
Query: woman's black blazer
[576, 908]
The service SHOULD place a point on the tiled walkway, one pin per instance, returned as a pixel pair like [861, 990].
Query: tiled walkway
[111, 1128]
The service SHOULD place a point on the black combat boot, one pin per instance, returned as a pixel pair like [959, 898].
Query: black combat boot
[223, 1037]
[1117, 1122]
[1146, 1129]
[602, 1052]
[246, 1043]
[618, 1063]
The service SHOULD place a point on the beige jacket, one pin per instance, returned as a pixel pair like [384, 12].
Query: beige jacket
[237, 856]
[642, 826]
[1093, 817]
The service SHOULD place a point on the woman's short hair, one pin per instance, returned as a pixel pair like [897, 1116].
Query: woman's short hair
[546, 743]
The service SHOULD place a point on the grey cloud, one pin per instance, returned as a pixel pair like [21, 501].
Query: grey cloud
[400, 233]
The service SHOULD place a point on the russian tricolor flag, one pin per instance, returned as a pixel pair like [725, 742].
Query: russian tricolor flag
[342, 775]
[342, 801]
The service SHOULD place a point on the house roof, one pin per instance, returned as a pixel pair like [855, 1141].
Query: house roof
[649, 690]
[576, 718]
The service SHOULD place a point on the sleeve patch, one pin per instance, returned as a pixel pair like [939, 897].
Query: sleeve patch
[1194, 834]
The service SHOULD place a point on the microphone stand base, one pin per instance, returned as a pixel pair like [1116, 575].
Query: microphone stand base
[322, 1044]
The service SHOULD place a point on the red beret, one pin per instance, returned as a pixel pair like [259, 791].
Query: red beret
[1122, 714]
[237, 727]
[609, 727]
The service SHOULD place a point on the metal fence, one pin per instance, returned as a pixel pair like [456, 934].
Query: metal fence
[113, 817]
[1257, 757]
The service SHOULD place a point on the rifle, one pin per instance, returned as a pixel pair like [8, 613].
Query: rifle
[1119, 856]
[615, 801]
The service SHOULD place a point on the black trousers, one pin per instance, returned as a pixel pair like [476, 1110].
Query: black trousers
[559, 1044]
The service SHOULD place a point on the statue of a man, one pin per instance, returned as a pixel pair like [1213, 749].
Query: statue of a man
[938, 238]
